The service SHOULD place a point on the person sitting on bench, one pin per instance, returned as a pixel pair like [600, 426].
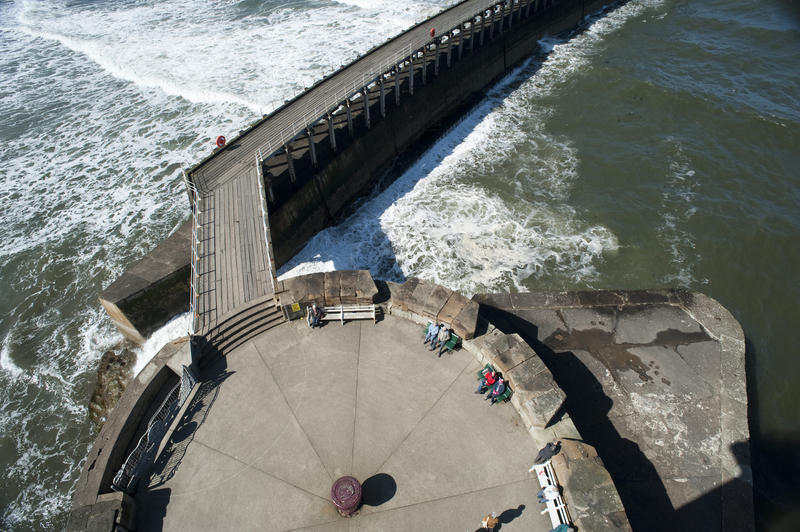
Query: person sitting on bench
[433, 330]
[316, 315]
[496, 390]
[548, 493]
[489, 378]
[441, 339]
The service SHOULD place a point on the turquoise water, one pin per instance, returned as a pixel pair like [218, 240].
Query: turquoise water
[657, 148]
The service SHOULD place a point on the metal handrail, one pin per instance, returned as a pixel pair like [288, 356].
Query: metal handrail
[194, 198]
[143, 454]
[265, 220]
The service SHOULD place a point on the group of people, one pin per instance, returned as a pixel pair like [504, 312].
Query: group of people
[438, 334]
[493, 383]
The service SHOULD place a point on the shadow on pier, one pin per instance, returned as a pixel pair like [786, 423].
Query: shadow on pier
[640, 487]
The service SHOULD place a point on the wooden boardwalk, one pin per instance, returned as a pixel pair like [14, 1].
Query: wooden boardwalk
[233, 268]
[233, 265]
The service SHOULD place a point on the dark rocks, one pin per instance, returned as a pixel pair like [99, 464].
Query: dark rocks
[113, 375]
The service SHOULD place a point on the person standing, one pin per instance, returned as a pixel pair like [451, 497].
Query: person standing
[490, 521]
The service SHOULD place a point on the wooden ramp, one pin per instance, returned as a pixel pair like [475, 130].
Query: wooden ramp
[233, 268]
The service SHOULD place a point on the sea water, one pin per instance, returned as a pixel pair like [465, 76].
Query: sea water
[655, 148]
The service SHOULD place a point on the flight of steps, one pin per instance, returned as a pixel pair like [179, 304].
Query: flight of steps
[237, 327]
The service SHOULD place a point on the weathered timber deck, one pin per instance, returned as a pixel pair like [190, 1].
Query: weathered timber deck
[233, 266]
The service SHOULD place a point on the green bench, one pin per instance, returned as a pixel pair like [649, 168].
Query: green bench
[506, 395]
[452, 343]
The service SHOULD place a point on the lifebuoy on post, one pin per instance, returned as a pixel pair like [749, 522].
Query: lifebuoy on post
[220, 141]
[433, 32]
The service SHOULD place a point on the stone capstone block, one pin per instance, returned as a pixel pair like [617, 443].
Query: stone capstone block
[331, 289]
[418, 298]
[436, 301]
[516, 352]
[466, 323]
[540, 409]
[307, 289]
[366, 291]
[402, 296]
[532, 376]
[455, 303]
[347, 287]
[589, 491]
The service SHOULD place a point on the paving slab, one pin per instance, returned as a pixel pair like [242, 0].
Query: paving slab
[286, 413]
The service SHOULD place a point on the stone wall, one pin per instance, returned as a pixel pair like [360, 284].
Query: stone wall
[94, 504]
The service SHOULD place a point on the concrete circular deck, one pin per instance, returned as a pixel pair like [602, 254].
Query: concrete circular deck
[284, 415]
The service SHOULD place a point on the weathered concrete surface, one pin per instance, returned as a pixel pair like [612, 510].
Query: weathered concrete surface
[284, 415]
[655, 381]
[152, 290]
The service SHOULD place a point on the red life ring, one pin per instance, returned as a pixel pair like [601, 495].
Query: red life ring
[220, 141]
[433, 32]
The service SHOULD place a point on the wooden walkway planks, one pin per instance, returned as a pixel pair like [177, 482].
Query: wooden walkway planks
[233, 254]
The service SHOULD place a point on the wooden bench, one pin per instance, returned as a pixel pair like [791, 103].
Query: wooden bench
[345, 312]
[556, 508]
[452, 343]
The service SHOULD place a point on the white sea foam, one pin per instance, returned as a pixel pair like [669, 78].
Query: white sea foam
[676, 210]
[172, 330]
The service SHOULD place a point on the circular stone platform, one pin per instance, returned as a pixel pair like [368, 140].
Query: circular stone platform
[286, 414]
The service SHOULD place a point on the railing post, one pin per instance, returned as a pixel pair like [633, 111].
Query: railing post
[471, 34]
[349, 116]
[411, 74]
[365, 93]
[424, 67]
[290, 161]
[311, 145]
[331, 132]
[436, 60]
[383, 97]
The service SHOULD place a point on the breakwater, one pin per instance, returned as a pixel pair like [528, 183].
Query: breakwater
[318, 153]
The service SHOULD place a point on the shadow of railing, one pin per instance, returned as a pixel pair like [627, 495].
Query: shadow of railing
[193, 418]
